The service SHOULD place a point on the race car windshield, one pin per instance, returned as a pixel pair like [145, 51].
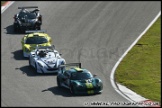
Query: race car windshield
[80, 76]
[29, 15]
[36, 40]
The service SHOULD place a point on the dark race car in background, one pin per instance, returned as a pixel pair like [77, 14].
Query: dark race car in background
[27, 20]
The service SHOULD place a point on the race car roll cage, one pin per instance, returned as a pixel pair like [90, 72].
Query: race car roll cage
[45, 48]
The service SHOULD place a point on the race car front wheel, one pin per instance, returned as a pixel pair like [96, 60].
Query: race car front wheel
[29, 62]
[36, 68]
[63, 67]
[72, 90]
[58, 82]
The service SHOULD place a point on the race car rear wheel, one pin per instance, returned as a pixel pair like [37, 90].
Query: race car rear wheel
[37, 28]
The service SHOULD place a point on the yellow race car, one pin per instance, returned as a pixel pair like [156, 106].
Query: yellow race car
[34, 38]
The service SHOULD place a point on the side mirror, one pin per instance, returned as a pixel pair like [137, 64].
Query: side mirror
[60, 54]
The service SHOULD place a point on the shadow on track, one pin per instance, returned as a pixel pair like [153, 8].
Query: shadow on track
[59, 91]
[29, 71]
[18, 55]
[10, 30]
[63, 91]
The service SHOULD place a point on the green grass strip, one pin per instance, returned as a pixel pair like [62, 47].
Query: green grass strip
[140, 69]
[2, 2]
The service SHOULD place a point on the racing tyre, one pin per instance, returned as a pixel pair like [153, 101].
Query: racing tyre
[62, 68]
[58, 83]
[36, 68]
[39, 28]
[29, 62]
[72, 90]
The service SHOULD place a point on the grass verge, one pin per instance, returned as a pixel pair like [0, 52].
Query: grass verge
[2, 2]
[140, 69]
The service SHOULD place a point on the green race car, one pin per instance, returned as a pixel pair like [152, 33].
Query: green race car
[31, 40]
[79, 81]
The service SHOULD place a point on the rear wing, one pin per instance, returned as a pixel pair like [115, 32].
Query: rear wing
[35, 31]
[71, 65]
[27, 7]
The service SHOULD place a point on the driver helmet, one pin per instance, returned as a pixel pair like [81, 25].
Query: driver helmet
[42, 53]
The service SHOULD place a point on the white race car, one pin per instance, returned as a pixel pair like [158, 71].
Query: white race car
[45, 59]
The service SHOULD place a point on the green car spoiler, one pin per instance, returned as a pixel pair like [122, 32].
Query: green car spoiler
[71, 65]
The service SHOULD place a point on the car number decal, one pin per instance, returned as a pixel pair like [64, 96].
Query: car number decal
[89, 85]
[90, 92]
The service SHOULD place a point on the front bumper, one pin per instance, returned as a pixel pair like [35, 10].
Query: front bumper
[88, 91]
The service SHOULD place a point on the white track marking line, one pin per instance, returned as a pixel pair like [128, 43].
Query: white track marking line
[3, 8]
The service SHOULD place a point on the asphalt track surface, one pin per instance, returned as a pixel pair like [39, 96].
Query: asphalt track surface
[95, 33]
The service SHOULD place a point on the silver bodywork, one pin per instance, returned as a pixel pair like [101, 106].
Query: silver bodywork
[50, 63]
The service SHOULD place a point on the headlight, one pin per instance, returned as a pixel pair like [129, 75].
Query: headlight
[40, 65]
